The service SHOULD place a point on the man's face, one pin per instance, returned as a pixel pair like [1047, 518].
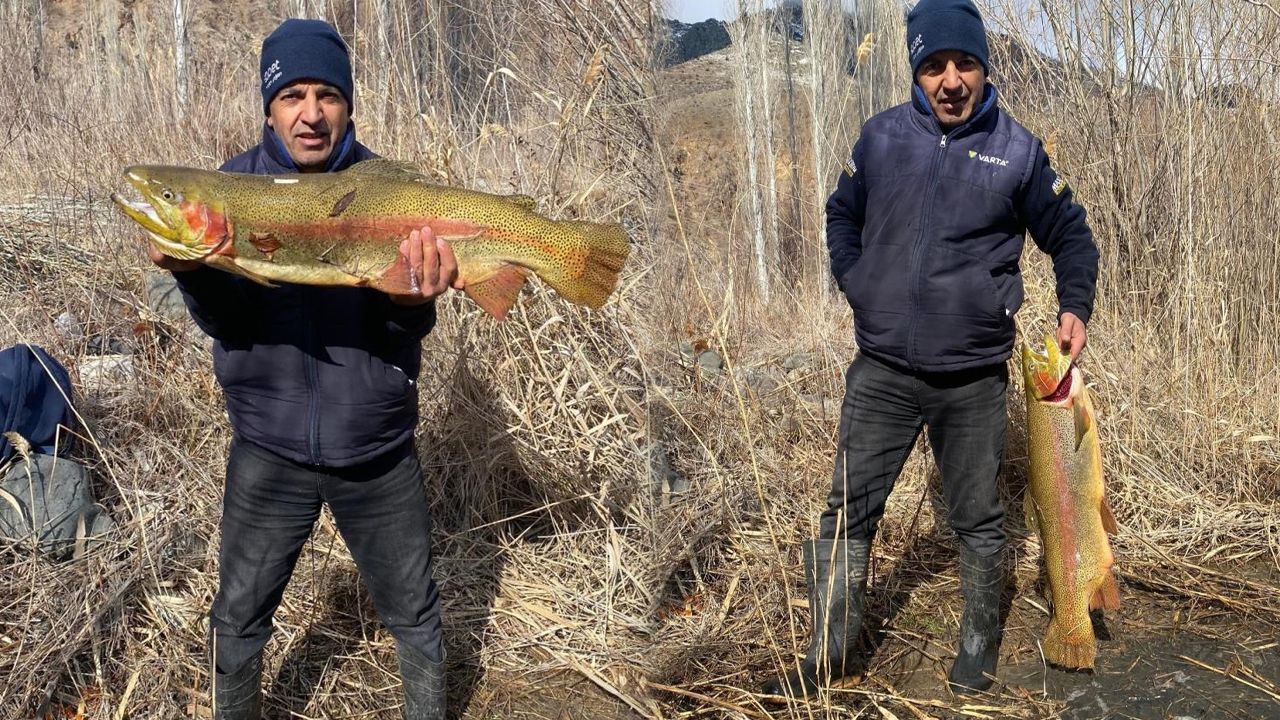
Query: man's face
[953, 82]
[310, 118]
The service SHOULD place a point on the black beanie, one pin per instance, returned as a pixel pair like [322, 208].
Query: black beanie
[304, 50]
[934, 25]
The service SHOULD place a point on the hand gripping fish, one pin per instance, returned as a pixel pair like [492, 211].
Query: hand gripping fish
[345, 229]
[1066, 504]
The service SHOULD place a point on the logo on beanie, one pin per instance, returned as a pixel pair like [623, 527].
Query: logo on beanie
[916, 46]
[271, 75]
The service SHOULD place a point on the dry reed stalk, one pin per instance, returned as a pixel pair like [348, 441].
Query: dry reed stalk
[1181, 206]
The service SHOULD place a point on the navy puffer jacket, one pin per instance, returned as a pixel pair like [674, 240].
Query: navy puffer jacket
[319, 375]
[926, 229]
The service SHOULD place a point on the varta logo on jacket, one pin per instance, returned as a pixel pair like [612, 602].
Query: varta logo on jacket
[988, 159]
[926, 237]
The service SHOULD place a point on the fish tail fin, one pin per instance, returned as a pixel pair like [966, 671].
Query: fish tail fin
[1107, 596]
[498, 292]
[1070, 646]
[606, 250]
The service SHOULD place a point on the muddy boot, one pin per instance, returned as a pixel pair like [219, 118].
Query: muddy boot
[423, 678]
[981, 582]
[836, 576]
[238, 695]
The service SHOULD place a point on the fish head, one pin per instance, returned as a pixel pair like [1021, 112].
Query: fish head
[1050, 377]
[179, 214]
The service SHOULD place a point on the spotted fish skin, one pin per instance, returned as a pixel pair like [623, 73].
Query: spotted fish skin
[345, 229]
[1065, 503]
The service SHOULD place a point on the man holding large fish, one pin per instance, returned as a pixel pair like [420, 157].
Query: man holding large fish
[320, 386]
[925, 230]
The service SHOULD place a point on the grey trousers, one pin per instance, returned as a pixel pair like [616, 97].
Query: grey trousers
[884, 410]
[269, 507]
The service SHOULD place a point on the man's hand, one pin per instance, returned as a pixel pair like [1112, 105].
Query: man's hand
[168, 263]
[1072, 336]
[433, 266]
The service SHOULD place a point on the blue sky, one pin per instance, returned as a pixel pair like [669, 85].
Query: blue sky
[695, 10]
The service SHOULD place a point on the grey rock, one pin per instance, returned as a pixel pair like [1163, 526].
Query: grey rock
[710, 361]
[68, 326]
[759, 381]
[664, 478]
[46, 502]
[821, 405]
[163, 296]
[104, 372]
[797, 361]
[687, 351]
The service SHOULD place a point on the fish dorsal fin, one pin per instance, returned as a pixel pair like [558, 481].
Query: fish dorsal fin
[383, 167]
[524, 201]
[1082, 418]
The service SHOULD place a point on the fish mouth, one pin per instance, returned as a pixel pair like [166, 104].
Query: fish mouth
[161, 233]
[1062, 392]
[1048, 375]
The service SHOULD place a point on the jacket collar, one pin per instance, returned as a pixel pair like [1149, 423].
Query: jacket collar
[279, 160]
[925, 118]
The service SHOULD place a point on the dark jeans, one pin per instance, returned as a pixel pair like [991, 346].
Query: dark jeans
[268, 509]
[884, 409]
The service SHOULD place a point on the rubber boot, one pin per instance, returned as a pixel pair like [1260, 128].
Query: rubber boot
[238, 695]
[836, 576]
[424, 696]
[982, 583]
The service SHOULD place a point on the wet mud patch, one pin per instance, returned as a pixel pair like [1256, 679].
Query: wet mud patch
[545, 695]
[1161, 659]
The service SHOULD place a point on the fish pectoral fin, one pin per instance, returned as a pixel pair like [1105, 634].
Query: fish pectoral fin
[1082, 419]
[1029, 514]
[399, 279]
[498, 292]
[1108, 518]
[229, 264]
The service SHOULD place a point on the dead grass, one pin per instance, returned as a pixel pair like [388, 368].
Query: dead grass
[572, 586]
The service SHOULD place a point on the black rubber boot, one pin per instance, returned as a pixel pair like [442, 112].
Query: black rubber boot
[238, 695]
[836, 576]
[982, 583]
[424, 696]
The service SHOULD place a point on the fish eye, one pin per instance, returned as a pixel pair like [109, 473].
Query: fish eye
[167, 195]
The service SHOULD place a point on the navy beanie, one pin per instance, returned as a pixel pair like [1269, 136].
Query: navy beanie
[934, 25]
[305, 50]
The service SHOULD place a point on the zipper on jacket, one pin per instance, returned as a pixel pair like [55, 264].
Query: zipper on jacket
[313, 389]
[917, 254]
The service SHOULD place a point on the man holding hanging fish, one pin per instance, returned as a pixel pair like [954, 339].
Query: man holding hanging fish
[321, 388]
[925, 230]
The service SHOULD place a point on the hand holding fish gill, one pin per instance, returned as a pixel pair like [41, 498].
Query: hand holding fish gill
[434, 269]
[1072, 335]
[172, 264]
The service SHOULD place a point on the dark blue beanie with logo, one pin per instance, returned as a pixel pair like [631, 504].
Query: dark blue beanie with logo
[934, 25]
[305, 50]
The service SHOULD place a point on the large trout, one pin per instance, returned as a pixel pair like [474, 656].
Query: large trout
[345, 228]
[1066, 504]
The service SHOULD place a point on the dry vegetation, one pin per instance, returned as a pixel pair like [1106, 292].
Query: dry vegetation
[575, 583]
